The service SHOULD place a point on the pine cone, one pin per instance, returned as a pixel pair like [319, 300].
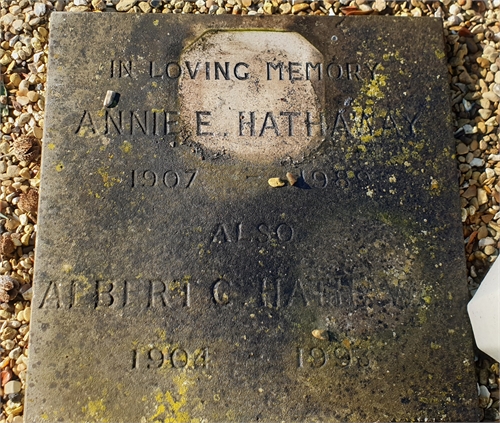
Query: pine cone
[26, 148]
[29, 201]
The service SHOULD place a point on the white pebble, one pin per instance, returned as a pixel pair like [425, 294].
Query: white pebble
[486, 241]
[454, 9]
[489, 172]
[12, 387]
[40, 9]
[468, 129]
[483, 391]
[477, 162]
[23, 219]
[15, 353]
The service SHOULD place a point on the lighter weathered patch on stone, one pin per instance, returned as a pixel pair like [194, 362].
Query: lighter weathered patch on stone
[253, 111]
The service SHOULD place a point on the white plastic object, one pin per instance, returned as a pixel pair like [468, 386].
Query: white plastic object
[484, 313]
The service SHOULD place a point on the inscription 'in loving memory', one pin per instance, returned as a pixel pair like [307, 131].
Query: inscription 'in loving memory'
[241, 71]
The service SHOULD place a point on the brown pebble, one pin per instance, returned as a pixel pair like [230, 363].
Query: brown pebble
[7, 247]
[470, 192]
[6, 375]
[296, 8]
[292, 179]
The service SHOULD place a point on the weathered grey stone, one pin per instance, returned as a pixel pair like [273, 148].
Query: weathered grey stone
[173, 283]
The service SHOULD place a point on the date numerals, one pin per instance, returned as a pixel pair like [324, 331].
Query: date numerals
[164, 179]
[169, 358]
[317, 358]
[340, 178]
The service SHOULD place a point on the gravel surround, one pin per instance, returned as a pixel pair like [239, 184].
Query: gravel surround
[472, 34]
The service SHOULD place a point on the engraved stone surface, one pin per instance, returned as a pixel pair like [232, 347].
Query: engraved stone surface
[174, 283]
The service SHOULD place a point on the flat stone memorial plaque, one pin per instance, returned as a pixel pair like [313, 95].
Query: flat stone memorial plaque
[174, 283]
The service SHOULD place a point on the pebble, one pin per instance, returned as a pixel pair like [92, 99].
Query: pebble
[12, 387]
[59, 5]
[496, 90]
[296, 8]
[486, 241]
[379, 5]
[125, 5]
[40, 9]
[490, 250]
[292, 179]
[15, 353]
[462, 149]
[285, 8]
[454, 9]
[482, 196]
[275, 182]
[98, 5]
[477, 162]
[320, 334]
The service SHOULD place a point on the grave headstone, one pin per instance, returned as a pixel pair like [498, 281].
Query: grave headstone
[176, 281]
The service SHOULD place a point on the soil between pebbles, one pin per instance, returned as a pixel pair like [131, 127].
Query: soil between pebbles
[472, 34]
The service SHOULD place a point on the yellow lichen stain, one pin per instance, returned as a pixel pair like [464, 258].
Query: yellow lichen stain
[372, 88]
[154, 84]
[51, 146]
[94, 194]
[126, 147]
[435, 346]
[59, 167]
[439, 54]
[67, 268]
[44, 416]
[94, 410]
[366, 111]
[101, 113]
[161, 334]
[82, 132]
[170, 409]
[107, 180]
[157, 110]
[422, 315]
[156, 22]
